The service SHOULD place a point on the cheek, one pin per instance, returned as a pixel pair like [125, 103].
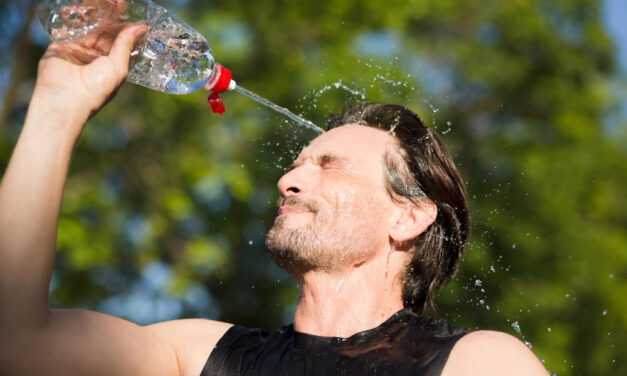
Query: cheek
[342, 198]
[355, 201]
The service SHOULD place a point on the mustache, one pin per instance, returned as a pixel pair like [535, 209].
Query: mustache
[296, 202]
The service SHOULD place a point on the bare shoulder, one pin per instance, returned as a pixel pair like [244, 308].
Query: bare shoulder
[488, 352]
[193, 341]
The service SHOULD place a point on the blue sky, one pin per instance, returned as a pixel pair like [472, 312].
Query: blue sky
[615, 14]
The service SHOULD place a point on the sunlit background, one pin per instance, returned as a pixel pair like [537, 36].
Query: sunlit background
[167, 204]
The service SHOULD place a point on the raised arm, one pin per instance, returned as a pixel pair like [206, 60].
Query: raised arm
[35, 340]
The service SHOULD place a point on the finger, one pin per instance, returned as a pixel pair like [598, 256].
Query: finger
[124, 44]
[73, 52]
[104, 43]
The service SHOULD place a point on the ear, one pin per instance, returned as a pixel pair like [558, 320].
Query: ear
[412, 220]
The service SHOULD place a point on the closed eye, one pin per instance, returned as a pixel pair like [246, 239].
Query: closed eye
[325, 159]
[331, 160]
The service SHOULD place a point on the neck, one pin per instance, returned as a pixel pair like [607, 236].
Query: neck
[343, 303]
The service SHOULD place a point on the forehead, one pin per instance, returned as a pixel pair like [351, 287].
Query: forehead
[356, 143]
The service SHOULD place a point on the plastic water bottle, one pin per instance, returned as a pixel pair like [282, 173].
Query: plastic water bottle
[172, 58]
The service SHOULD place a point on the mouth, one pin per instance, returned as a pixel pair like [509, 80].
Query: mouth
[295, 205]
[291, 210]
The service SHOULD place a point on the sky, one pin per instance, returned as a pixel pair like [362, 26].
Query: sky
[615, 14]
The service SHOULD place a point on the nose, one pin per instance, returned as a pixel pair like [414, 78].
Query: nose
[292, 182]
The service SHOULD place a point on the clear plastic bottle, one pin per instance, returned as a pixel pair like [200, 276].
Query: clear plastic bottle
[172, 57]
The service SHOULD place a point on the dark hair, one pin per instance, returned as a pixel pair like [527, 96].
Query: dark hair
[421, 167]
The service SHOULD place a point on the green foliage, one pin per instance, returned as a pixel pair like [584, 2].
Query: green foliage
[520, 90]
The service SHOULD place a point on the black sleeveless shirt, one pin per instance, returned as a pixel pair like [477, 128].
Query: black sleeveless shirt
[405, 344]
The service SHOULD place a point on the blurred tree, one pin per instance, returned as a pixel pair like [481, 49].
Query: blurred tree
[166, 205]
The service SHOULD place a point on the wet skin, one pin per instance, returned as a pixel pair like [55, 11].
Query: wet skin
[336, 185]
[334, 197]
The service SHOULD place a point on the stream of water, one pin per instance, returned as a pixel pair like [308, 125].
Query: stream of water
[279, 109]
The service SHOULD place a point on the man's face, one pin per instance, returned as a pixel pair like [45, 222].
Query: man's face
[334, 210]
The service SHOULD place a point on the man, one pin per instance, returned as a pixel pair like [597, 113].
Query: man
[372, 219]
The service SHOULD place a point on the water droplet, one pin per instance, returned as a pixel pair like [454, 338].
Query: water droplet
[514, 245]
[516, 327]
[478, 282]
[604, 312]
[250, 242]
[548, 329]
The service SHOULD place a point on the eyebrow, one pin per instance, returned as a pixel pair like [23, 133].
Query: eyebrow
[328, 158]
[321, 159]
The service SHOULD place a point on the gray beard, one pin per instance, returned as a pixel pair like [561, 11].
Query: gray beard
[301, 250]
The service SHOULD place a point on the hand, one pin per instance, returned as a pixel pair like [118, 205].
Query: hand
[77, 89]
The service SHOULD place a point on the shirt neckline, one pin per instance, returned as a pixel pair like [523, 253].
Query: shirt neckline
[314, 342]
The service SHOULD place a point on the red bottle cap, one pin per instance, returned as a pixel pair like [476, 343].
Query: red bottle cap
[216, 103]
[219, 83]
[223, 79]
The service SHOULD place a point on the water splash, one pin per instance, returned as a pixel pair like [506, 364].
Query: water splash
[310, 101]
[339, 85]
[387, 80]
[516, 327]
[280, 109]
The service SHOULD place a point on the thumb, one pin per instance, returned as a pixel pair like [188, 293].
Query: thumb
[123, 46]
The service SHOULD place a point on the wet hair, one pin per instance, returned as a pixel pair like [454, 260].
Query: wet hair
[420, 168]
